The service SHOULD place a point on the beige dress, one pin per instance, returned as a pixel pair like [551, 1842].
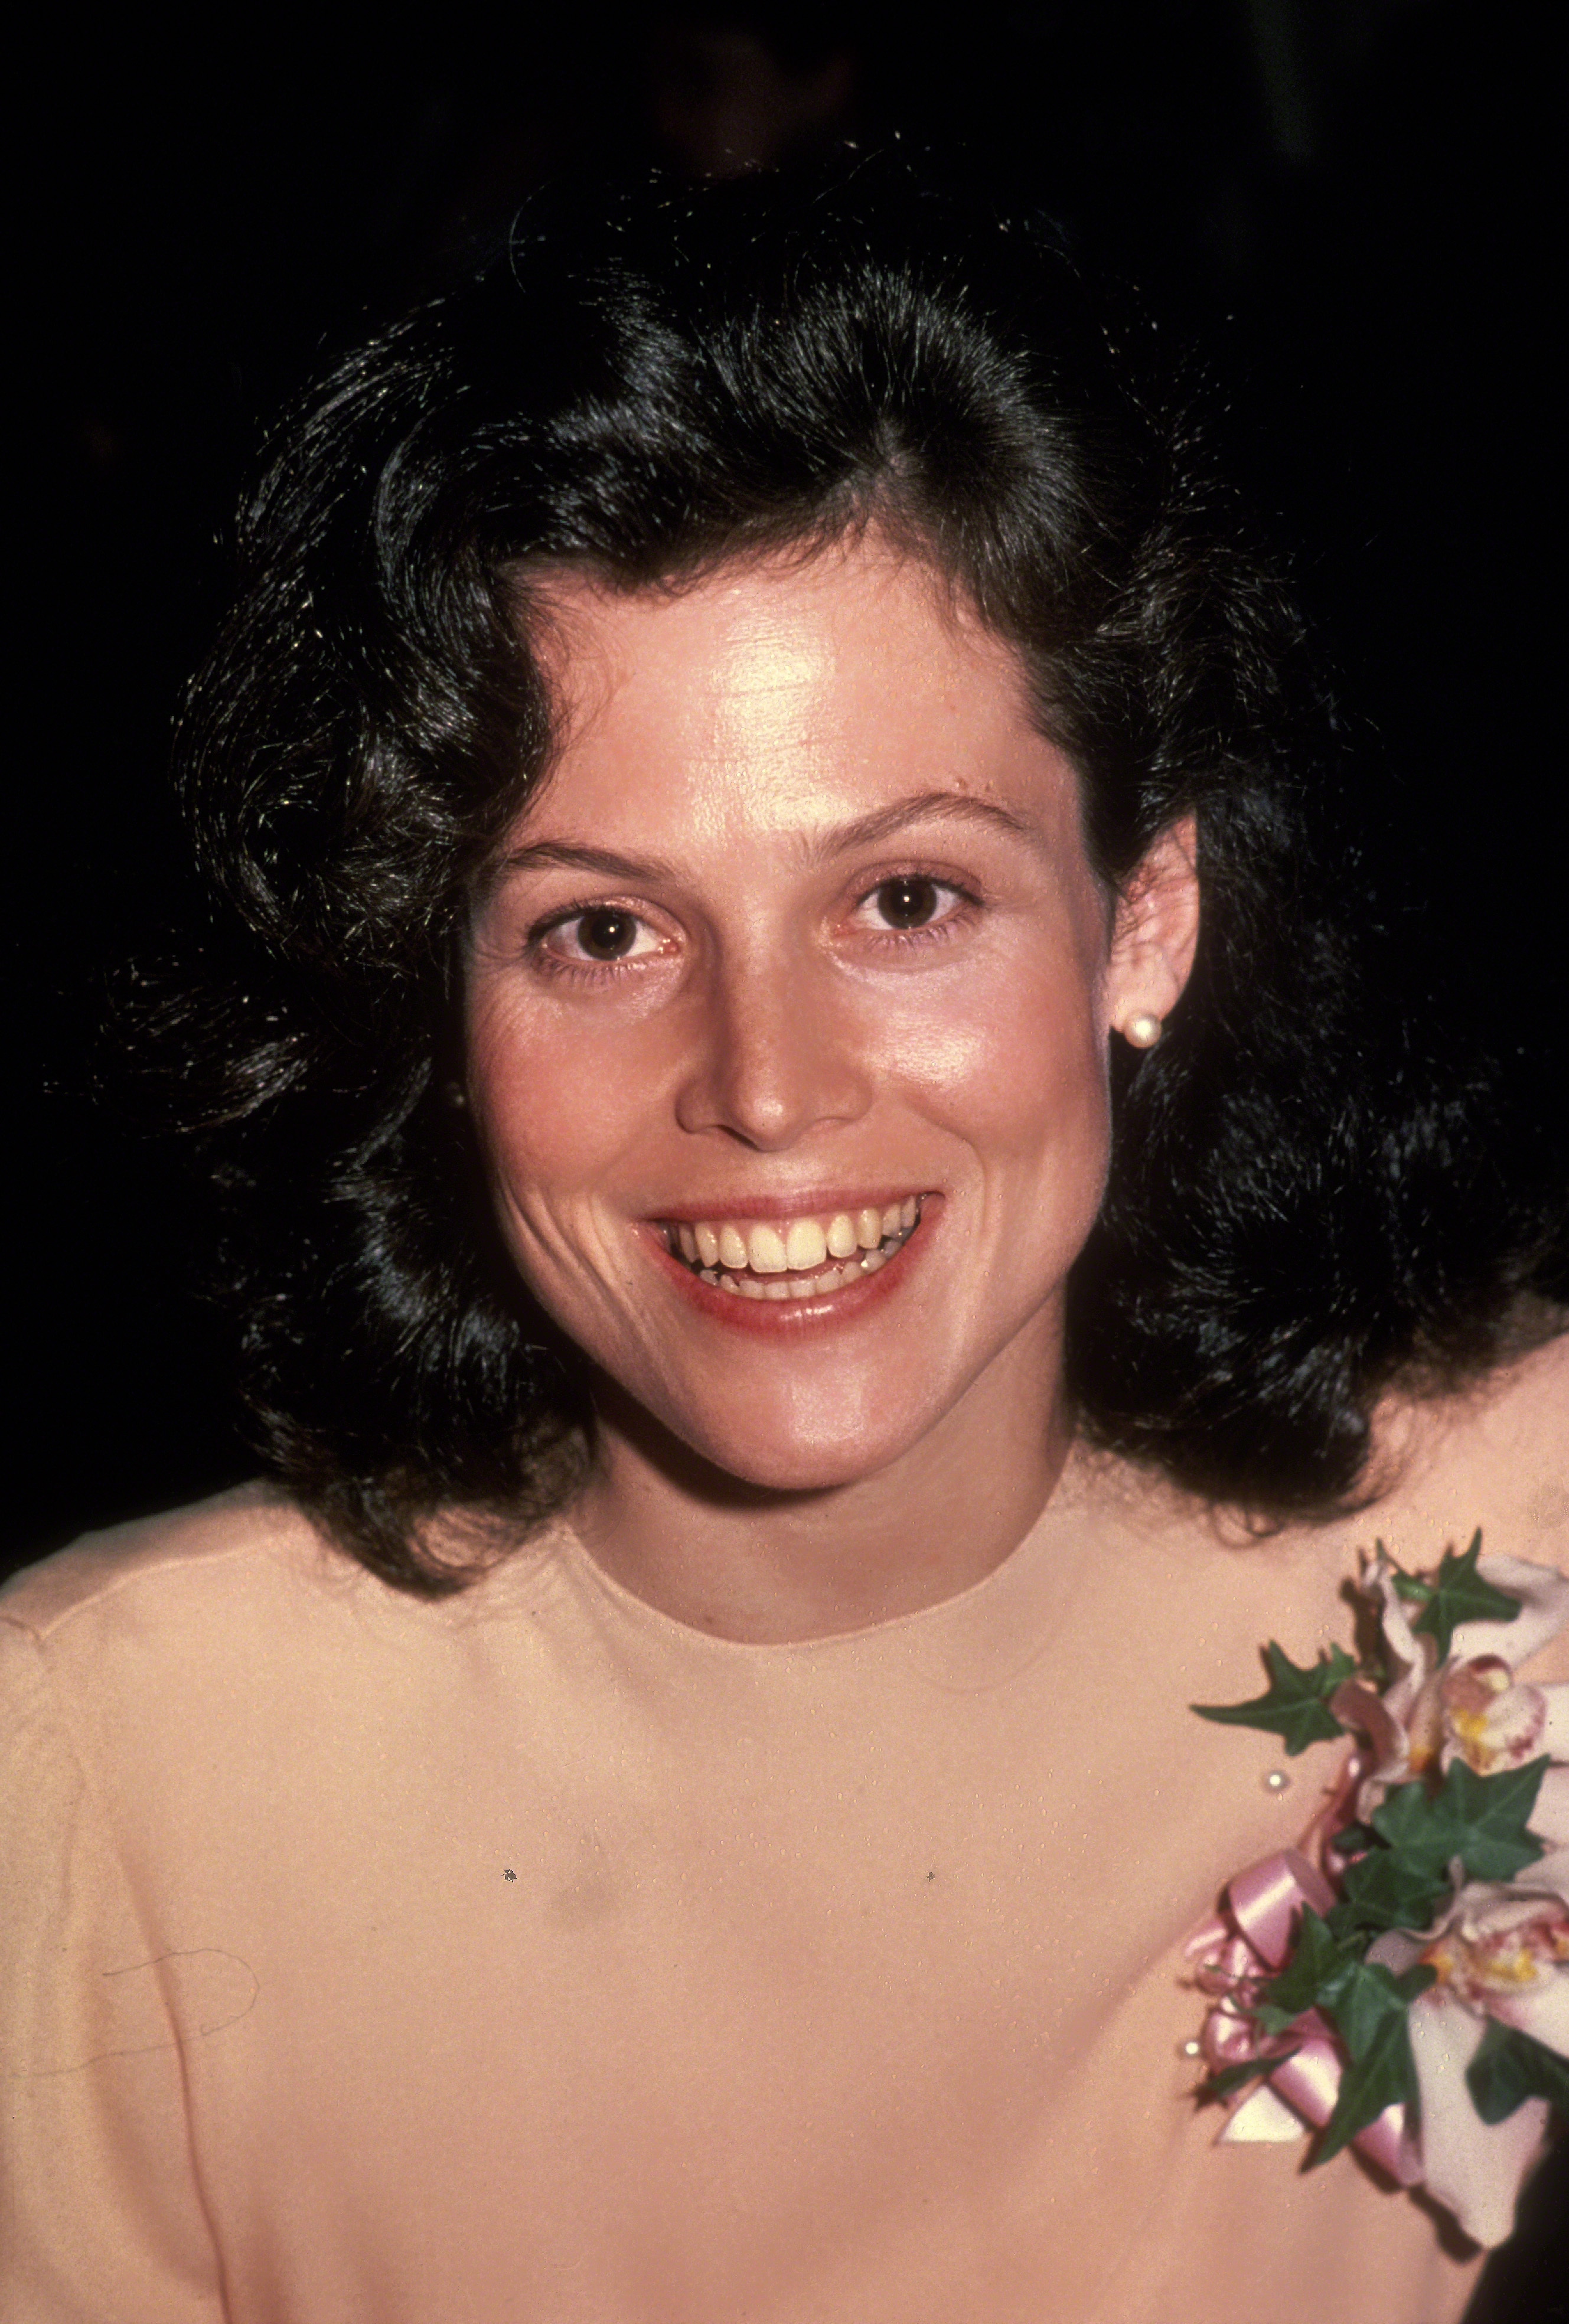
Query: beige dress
[532, 1956]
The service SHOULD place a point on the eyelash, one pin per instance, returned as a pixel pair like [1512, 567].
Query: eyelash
[966, 904]
[580, 972]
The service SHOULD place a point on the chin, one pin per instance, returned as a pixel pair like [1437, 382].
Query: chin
[786, 1451]
[786, 1459]
[799, 1468]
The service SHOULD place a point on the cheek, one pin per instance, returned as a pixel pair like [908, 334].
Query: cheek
[1021, 1073]
[548, 1115]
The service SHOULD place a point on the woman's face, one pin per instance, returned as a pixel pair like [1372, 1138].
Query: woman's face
[788, 1014]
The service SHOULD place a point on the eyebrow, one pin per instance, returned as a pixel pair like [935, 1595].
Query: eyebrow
[566, 855]
[924, 806]
[865, 831]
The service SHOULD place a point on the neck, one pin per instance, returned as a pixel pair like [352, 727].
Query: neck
[765, 1567]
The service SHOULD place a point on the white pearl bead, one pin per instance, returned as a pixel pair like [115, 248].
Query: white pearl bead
[1142, 1029]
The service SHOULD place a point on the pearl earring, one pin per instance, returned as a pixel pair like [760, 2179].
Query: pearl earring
[1142, 1029]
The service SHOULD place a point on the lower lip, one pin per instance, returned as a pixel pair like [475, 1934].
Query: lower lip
[813, 1311]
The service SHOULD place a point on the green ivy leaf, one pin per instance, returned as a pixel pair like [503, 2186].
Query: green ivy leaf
[1509, 2067]
[1371, 1995]
[1457, 1594]
[1383, 2074]
[1227, 2079]
[1384, 1889]
[1313, 1979]
[1409, 1587]
[1480, 1818]
[1367, 2006]
[1353, 1838]
[1296, 1705]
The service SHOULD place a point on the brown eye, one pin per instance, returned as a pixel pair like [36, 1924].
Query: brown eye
[596, 936]
[909, 902]
[607, 934]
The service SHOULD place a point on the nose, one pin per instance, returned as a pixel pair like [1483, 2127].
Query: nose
[775, 1053]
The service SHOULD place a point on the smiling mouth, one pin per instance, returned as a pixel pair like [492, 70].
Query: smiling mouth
[793, 1258]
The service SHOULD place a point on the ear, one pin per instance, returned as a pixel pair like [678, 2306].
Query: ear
[1154, 936]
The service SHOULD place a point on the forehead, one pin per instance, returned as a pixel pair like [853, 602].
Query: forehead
[780, 689]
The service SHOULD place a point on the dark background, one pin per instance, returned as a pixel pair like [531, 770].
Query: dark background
[1337, 198]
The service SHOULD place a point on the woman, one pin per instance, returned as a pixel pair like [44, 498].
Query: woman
[799, 1130]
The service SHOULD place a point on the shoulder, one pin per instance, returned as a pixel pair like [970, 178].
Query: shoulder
[166, 1622]
[248, 1539]
[1495, 1457]
[225, 1627]
[1492, 1461]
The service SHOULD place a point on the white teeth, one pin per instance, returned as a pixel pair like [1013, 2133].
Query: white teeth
[765, 1250]
[806, 1245]
[789, 1255]
[798, 1287]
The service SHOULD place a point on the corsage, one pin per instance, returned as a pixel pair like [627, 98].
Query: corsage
[1400, 1981]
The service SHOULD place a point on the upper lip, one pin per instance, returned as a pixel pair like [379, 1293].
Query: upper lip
[809, 1203]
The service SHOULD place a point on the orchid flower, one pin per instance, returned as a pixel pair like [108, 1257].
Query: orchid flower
[1480, 1974]
[1470, 1706]
[1499, 1952]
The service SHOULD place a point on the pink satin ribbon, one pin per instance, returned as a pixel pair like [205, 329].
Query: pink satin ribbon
[1253, 1936]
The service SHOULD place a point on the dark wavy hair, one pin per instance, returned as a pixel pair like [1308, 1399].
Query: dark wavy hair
[643, 387]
